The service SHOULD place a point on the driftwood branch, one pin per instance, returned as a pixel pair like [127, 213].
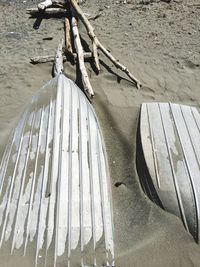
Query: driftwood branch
[50, 3]
[96, 57]
[58, 63]
[44, 59]
[50, 58]
[98, 44]
[53, 11]
[80, 53]
[47, 7]
[68, 43]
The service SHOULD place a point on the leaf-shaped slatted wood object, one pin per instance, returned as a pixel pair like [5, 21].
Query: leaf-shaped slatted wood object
[168, 160]
[55, 197]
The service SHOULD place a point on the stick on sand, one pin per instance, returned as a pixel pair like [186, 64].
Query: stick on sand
[98, 44]
[80, 54]
[68, 36]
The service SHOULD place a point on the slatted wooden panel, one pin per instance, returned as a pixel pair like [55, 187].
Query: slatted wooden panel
[55, 197]
[168, 159]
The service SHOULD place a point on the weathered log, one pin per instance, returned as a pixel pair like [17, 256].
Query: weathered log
[50, 58]
[49, 11]
[80, 54]
[58, 63]
[68, 36]
[95, 40]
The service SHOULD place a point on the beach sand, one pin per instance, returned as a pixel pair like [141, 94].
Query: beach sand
[160, 44]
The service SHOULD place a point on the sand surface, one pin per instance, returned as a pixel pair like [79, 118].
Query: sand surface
[160, 43]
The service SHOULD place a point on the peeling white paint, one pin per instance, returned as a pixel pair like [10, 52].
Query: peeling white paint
[54, 180]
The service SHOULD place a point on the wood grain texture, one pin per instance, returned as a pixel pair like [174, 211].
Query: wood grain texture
[169, 169]
[55, 194]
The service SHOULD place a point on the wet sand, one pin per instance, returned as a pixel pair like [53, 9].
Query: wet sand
[159, 43]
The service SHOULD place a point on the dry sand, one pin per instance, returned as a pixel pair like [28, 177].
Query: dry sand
[160, 43]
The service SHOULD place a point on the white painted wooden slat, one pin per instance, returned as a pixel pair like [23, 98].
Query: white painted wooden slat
[75, 198]
[54, 167]
[171, 148]
[43, 200]
[62, 202]
[20, 214]
[190, 158]
[162, 156]
[12, 183]
[192, 129]
[105, 199]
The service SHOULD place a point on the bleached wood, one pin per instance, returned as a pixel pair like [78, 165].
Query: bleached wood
[58, 64]
[45, 4]
[170, 145]
[56, 3]
[95, 40]
[55, 193]
[44, 59]
[68, 36]
[50, 58]
[95, 55]
[80, 53]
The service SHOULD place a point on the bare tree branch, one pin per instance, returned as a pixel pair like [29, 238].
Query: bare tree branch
[98, 44]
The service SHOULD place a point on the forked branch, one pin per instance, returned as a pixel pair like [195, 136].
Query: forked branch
[98, 44]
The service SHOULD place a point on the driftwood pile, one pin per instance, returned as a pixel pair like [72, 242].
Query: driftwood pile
[71, 11]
